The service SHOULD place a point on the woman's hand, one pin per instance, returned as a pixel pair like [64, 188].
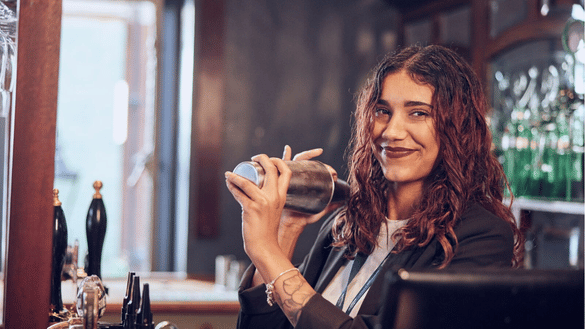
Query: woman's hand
[292, 223]
[266, 225]
[262, 214]
[261, 207]
[293, 218]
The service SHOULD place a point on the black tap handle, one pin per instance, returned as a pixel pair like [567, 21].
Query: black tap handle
[59, 250]
[95, 228]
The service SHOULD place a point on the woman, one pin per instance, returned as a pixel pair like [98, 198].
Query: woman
[426, 192]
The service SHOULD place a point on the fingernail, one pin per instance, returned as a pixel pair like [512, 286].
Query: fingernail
[284, 152]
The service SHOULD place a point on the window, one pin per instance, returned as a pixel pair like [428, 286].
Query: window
[106, 120]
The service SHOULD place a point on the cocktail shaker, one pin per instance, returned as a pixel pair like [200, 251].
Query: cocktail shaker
[311, 187]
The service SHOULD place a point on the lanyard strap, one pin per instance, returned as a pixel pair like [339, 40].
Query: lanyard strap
[358, 262]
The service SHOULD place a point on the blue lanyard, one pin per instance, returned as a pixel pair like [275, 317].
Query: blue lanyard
[358, 262]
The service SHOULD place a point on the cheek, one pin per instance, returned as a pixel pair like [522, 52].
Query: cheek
[431, 146]
[434, 139]
[436, 153]
[376, 131]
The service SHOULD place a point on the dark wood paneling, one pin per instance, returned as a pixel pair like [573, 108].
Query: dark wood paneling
[479, 37]
[207, 136]
[431, 8]
[28, 268]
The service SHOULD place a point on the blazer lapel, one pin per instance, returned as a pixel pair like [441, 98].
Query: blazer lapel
[331, 267]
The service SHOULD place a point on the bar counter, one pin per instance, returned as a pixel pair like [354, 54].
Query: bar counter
[188, 303]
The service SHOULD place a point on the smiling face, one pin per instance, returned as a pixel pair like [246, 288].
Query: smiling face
[404, 137]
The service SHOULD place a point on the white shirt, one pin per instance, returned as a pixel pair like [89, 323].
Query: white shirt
[339, 281]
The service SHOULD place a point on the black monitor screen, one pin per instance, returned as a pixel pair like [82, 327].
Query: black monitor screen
[484, 299]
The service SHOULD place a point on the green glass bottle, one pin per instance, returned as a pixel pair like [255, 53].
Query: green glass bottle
[509, 155]
[549, 160]
[562, 181]
[577, 123]
[522, 167]
[537, 140]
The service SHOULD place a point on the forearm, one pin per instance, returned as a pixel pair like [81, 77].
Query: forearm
[290, 289]
[316, 312]
[288, 236]
[287, 240]
[292, 292]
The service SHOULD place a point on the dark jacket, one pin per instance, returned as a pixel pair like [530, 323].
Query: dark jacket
[484, 240]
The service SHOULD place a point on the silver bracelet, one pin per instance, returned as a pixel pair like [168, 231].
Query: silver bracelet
[270, 286]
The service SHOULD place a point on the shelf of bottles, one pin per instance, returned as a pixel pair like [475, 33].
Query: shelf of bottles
[538, 124]
[542, 149]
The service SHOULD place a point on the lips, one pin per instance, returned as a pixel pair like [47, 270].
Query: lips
[396, 152]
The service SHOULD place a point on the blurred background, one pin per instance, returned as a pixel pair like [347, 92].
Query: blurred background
[158, 99]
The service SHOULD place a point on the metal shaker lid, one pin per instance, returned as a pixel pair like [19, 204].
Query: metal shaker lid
[252, 171]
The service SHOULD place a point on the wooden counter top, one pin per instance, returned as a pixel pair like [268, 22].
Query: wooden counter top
[168, 296]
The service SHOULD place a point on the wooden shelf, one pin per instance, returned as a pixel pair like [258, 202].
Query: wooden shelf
[552, 206]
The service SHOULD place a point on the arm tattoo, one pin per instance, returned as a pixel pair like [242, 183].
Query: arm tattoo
[293, 297]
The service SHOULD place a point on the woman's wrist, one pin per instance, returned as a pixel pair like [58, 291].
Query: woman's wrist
[288, 235]
[257, 279]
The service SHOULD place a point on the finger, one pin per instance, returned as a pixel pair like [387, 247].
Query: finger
[245, 185]
[283, 178]
[238, 193]
[330, 208]
[332, 171]
[270, 170]
[287, 154]
[309, 154]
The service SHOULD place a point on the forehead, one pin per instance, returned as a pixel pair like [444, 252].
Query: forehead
[401, 87]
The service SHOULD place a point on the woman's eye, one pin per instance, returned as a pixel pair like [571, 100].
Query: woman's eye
[420, 113]
[382, 113]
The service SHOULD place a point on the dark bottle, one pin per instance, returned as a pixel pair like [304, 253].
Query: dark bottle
[59, 249]
[144, 314]
[95, 228]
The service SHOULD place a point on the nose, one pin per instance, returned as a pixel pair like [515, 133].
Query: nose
[395, 128]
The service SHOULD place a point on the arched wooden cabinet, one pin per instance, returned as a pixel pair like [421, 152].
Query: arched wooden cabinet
[537, 122]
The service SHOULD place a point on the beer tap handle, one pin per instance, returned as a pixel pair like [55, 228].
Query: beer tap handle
[96, 224]
[59, 251]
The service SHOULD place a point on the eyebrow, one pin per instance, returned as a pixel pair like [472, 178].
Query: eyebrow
[407, 104]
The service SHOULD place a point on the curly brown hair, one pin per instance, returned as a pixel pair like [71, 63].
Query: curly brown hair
[467, 170]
